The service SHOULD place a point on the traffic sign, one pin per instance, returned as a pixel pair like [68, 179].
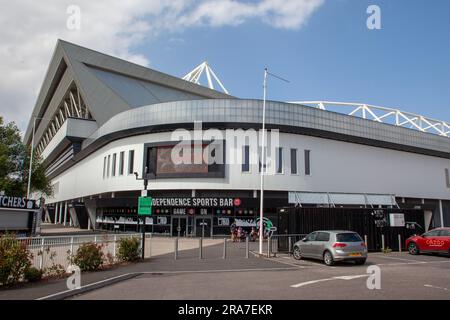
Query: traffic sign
[145, 205]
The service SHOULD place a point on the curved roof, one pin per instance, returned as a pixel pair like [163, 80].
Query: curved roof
[285, 116]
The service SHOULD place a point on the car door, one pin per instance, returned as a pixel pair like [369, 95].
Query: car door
[429, 241]
[318, 245]
[306, 244]
[445, 233]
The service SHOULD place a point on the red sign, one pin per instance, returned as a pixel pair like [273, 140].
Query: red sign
[237, 202]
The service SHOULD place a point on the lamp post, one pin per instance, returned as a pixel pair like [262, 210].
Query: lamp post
[143, 224]
[263, 157]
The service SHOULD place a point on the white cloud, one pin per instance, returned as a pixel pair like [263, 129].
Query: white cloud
[29, 30]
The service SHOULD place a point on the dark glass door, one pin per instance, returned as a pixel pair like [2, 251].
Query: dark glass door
[179, 226]
[203, 227]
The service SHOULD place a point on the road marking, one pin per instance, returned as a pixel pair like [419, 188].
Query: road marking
[436, 287]
[163, 272]
[302, 284]
[403, 259]
[409, 263]
[86, 286]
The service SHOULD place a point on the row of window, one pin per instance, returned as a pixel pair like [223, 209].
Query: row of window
[110, 167]
[279, 161]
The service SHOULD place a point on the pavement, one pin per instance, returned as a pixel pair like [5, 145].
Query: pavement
[402, 277]
[51, 229]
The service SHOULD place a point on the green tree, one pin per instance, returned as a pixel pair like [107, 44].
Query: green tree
[14, 164]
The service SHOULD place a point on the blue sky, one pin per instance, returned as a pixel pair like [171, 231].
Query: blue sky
[334, 57]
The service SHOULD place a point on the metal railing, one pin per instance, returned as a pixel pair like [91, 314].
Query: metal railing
[282, 243]
[56, 250]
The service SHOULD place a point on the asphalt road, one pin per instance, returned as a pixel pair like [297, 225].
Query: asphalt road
[402, 277]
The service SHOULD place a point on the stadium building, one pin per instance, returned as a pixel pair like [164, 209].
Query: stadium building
[99, 119]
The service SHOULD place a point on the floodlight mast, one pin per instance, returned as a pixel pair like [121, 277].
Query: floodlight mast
[196, 73]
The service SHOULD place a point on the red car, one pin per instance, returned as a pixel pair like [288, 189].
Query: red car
[435, 241]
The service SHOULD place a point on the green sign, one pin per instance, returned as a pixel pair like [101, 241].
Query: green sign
[145, 205]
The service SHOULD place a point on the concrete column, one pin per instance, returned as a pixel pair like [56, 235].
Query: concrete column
[60, 212]
[441, 213]
[65, 213]
[56, 213]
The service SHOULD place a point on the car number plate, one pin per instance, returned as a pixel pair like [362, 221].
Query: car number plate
[355, 254]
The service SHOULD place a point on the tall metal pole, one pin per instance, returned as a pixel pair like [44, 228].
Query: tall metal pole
[263, 161]
[31, 160]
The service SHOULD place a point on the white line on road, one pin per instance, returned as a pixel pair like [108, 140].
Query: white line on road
[302, 284]
[395, 258]
[436, 287]
[166, 272]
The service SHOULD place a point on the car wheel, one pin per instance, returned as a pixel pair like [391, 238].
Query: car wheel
[296, 253]
[360, 262]
[413, 249]
[328, 258]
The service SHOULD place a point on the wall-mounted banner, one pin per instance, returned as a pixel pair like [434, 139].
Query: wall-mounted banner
[196, 202]
[17, 203]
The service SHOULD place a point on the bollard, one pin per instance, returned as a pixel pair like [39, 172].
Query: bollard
[176, 249]
[224, 248]
[41, 261]
[71, 245]
[268, 247]
[246, 247]
[399, 243]
[290, 245]
[382, 241]
[150, 245]
[114, 247]
[200, 246]
[365, 241]
[95, 239]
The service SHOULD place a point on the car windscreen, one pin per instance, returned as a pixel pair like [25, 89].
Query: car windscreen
[348, 237]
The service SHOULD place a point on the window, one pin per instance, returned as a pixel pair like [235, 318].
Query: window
[432, 233]
[348, 237]
[294, 161]
[104, 167]
[323, 236]
[109, 160]
[265, 161]
[121, 160]
[307, 162]
[311, 237]
[130, 161]
[113, 167]
[279, 152]
[444, 233]
[246, 159]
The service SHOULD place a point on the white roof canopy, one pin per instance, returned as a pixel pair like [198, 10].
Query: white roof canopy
[332, 199]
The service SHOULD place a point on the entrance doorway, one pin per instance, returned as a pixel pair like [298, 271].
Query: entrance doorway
[179, 226]
[203, 226]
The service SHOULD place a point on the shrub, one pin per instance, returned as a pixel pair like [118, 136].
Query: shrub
[14, 259]
[89, 257]
[129, 249]
[33, 274]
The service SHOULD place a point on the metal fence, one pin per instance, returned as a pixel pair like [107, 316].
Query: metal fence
[282, 243]
[56, 250]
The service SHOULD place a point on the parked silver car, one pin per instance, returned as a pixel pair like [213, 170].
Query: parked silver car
[331, 246]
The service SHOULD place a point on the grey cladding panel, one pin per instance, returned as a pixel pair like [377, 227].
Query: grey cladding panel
[137, 92]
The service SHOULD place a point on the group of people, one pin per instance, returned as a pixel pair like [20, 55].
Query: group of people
[239, 234]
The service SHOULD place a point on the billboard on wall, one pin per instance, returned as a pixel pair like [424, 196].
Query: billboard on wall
[164, 163]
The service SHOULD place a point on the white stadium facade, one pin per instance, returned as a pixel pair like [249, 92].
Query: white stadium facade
[99, 119]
